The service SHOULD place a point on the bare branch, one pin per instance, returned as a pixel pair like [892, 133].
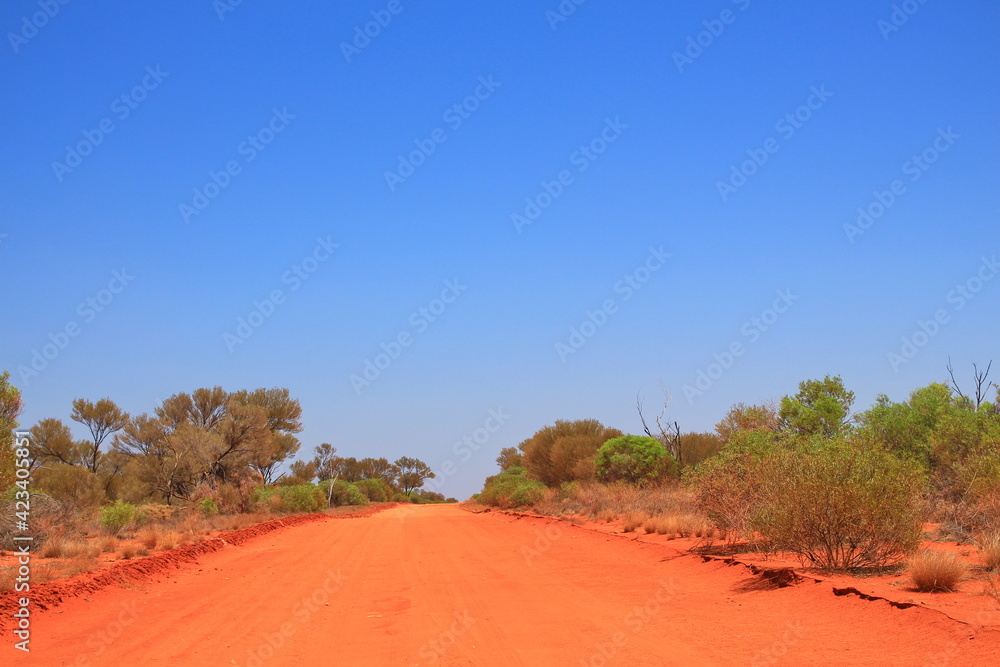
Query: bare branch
[981, 379]
[642, 418]
[954, 382]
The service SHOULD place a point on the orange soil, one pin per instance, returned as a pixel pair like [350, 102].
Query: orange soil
[436, 585]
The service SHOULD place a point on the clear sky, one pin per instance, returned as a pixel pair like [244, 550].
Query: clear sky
[217, 155]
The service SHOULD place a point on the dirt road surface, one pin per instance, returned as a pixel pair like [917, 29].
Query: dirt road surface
[437, 585]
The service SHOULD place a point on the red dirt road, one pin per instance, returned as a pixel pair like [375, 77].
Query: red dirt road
[436, 585]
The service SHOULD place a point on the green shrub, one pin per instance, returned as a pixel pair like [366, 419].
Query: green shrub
[978, 475]
[400, 498]
[373, 489]
[728, 489]
[262, 495]
[511, 488]
[344, 493]
[302, 497]
[118, 516]
[208, 507]
[633, 459]
[292, 498]
[841, 507]
[568, 489]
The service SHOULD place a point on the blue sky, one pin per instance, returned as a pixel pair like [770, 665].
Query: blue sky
[329, 122]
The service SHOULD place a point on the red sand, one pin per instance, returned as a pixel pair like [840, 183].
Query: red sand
[436, 585]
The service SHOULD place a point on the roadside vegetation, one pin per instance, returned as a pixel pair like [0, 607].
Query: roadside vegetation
[804, 476]
[200, 463]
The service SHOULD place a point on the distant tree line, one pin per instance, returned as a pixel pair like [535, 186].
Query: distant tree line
[192, 444]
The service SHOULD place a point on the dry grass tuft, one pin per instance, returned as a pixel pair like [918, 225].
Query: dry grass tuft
[633, 521]
[692, 525]
[54, 547]
[81, 549]
[149, 537]
[58, 547]
[169, 540]
[989, 549]
[79, 566]
[936, 572]
[993, 588]
[107, 544]
[662, 524]
[127, 550]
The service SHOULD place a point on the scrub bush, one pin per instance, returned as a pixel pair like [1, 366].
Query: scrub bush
[511, 488]
[118, 516]
[841, 507]
[633, 459]
[373, 489]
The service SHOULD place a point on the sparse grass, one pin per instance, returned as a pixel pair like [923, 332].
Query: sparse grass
[667, 510]
[81, 549]
[993, 587]
[935, 572]
[59, 547]
[107, 544]
[149, 537]
[54, 547]
[79, 566]
[663, 524]
[169, 540]
[127, 550]
[989, 549]
[633, 521]
[668, 525]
